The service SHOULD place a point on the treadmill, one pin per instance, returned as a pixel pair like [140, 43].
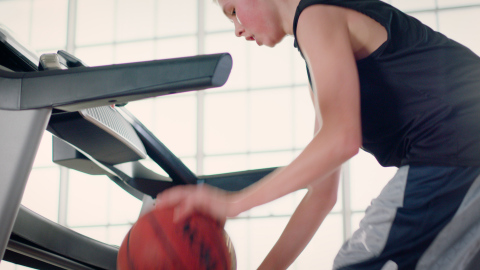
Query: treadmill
[93, 133]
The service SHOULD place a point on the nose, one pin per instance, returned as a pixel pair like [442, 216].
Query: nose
[239, 32]
[239, 29]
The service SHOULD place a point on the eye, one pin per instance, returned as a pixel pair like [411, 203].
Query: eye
[233, 13]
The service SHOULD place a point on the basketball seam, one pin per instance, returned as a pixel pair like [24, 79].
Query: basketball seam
[160, 233]
[129, 259]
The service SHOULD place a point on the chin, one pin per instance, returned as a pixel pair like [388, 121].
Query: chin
[272, 43]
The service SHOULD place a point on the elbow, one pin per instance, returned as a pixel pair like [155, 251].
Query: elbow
[349, 144]
[344, 140]
[338, 146]
[352, 146]
[326, 190]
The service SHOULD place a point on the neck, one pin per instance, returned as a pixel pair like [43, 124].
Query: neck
[286, 9]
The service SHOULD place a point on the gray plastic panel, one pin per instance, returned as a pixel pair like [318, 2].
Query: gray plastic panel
[97, 140]
[66, 155]
[108, 119]
[19, 139]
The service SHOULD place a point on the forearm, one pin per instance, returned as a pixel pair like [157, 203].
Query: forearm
[305, 221]
[323, 155]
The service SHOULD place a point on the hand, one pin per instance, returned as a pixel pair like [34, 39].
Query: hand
[203, 198]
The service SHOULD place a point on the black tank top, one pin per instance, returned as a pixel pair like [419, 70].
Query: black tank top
[420, 92]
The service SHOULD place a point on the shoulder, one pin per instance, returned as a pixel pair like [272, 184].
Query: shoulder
[320, 23]
[321, 16]
[321, 26]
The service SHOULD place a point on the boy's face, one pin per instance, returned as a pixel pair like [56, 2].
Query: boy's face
[254, 20]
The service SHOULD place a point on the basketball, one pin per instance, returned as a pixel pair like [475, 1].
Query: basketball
[156, 242]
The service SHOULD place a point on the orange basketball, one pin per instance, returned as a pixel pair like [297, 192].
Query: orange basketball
[156, 242]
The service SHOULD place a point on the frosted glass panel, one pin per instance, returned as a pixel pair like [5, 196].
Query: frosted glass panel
[225, 164]
[270, 66]
[427, 18]
[282, 206]
[49, 24]
[176, 123]
[144, 111]
[462, 25]
[356, 218]
[409, 5]
[16, 15]
[116, 234]
[4, 265]
[122, 207]
[42, 192]
[451, 3]
[176, 17]
[87, 199]
[269, 159]
[176, 47]
[367, 179]
[226, 123]
[239, 234]
[191, 163]
[263, 233]
[134, 52]
[98, 233]
[96, 56]
[323, 248]
[215, 20]
[270, 118]
[44, 153]
[253, 239]
[134, 19]
[95, 22]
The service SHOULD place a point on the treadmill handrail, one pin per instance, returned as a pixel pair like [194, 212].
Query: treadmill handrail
[50, 236]
[86, 87]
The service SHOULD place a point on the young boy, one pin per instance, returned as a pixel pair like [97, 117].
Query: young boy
[382, 81]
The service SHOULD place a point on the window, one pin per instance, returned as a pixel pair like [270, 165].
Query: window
[262, 117]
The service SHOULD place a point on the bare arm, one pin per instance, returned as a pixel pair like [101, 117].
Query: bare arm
[307, 218]
[324, 38]
[333, 70]
[305, 221]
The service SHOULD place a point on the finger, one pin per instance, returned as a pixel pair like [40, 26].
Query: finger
[171, 197]
[183, 211]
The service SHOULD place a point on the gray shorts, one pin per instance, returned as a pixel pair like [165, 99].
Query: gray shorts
[425, 218]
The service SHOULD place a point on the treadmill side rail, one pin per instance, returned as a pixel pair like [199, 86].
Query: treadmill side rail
[85, 87]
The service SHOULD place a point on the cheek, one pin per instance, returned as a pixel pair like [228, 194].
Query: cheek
[249, 18]
[243, 19]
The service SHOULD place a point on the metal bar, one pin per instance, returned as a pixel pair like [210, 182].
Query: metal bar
[45, 256]
[346, 199]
